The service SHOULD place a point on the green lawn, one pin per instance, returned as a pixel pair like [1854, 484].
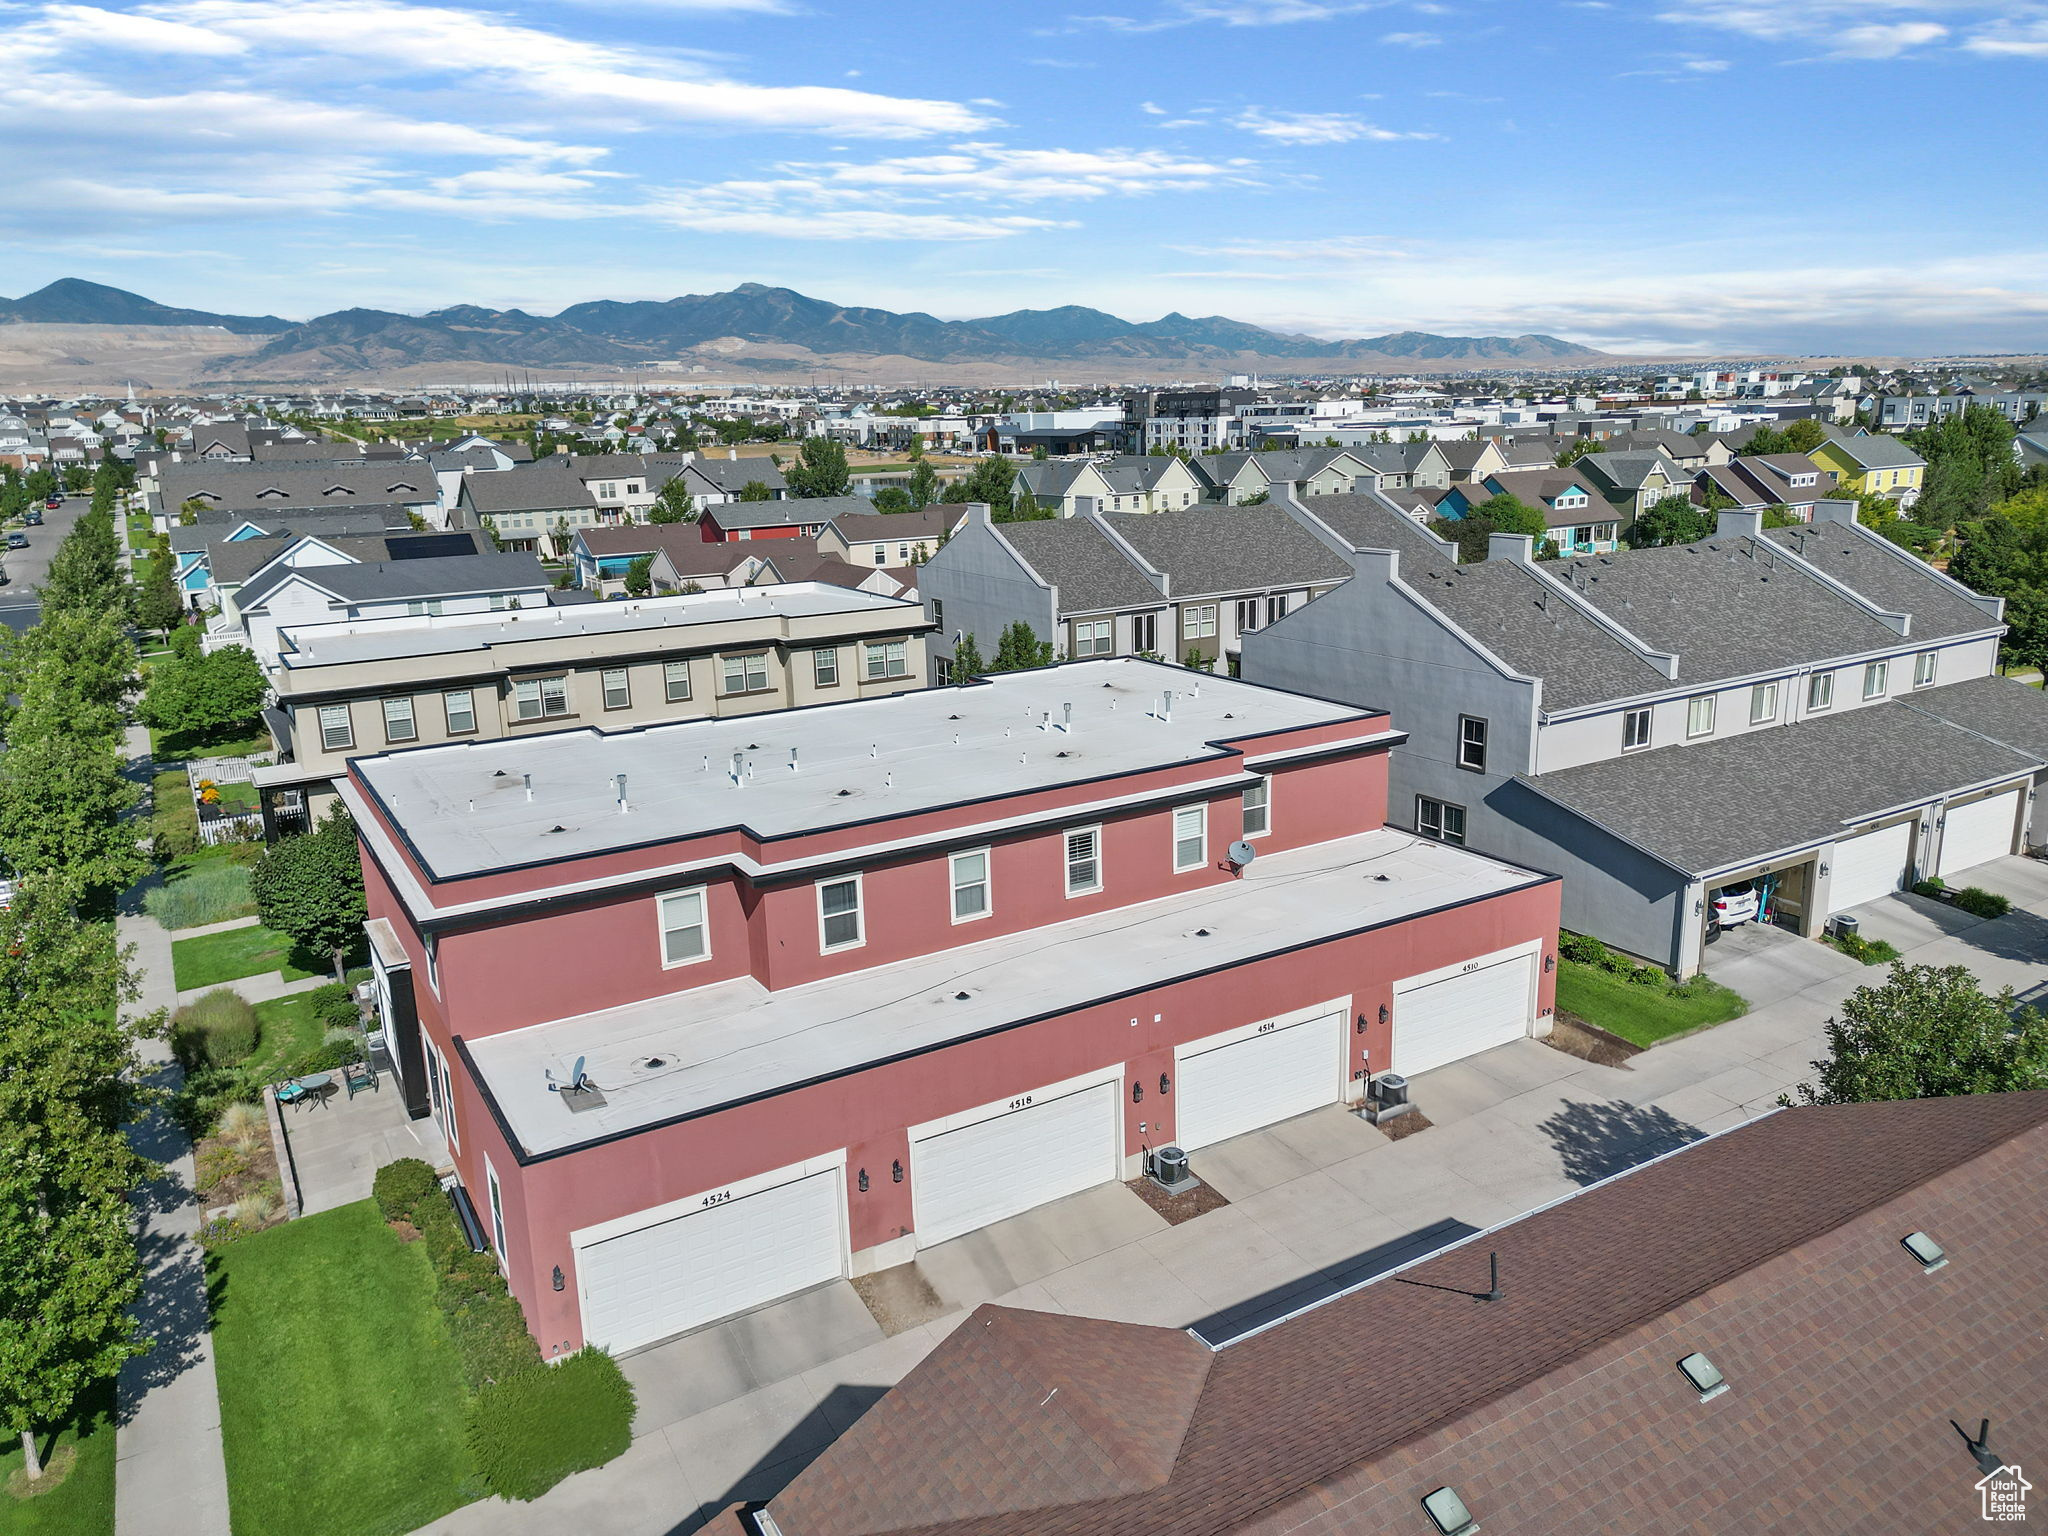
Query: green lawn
[177, 746]
[291, 1033]
[341, 1397]
[81, 1505]
[213, 958]
[1639, 1014]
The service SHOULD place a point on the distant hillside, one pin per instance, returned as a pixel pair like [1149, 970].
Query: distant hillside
[73, 301]
[756, 326]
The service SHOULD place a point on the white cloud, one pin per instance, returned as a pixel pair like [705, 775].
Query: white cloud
[1234, 13]
[1410, 39]
[1886, 40]
[2012, 39]
[1152, 107]
[1316, 127]
[1876, 29]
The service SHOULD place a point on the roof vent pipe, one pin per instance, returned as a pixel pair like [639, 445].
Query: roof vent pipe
[528, 779]
[737, 757]
[619, 789]
[1067, 718]
[792, 759]
[1166, 706]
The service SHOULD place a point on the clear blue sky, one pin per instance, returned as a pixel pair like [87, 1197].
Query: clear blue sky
[1727, 175]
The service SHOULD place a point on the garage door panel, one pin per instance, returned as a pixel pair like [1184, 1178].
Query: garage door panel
[1228, 1090]
[1977, 833]
[965, 1179]
[1442, 1021]
[1870, 866]
[695, 1268]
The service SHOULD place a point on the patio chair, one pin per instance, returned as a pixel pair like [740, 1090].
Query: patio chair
[288, 1091]
[360, 1077]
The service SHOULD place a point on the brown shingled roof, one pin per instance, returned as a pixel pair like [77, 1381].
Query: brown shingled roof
[1774, 1239]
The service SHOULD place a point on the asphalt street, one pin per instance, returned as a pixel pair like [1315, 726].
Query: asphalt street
[26, 568]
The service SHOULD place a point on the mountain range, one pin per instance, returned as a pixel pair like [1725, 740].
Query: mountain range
[775, 323]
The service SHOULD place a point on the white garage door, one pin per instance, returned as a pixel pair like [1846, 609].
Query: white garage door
[1446, 1020]
[1978, 832]
[701, 1265]
[1284, 1070]
[1014, 1159]
[1867, 867]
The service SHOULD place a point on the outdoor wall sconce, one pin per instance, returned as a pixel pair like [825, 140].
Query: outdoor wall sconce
[1360, 1029]
[1549, 964]
[863, 1181]
[1165, 1085]
[558, 1277]
[1823, 871]
[896, 1171]
[1385, 1013]
[1699, 905]
[1137, 1093]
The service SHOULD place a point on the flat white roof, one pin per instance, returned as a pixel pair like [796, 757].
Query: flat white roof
[320, 645]
[464, 808]
[736, 1040]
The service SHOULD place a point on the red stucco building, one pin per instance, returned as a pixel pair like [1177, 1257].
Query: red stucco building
[848, 981]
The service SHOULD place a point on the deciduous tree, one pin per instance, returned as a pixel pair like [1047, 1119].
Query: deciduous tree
[208, 697]
[1929, 1032]
[820, 469]
[1673, 520]
[310, 888]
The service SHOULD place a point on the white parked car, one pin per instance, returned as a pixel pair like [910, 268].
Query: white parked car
[1735, 904]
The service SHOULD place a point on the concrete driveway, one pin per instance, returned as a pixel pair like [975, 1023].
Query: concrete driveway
[735, 1410]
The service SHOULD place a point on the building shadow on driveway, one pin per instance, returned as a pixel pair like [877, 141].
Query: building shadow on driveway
[779, 1465]
[1597, 1141]
[1235, 1322]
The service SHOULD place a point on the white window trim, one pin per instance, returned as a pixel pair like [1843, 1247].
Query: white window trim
[1760, 691]
[1649, 729]
[1929, 662]
[668, 682]
[448, 715]
[860, 913]
[1265, 783]
[1815, 679]
[1691, 711]
[661, 928]
[1201, 810]
[494, 1211]
[1879, 672]
[348, 721]
[604, 688]
[1067, 861]
[987, 883]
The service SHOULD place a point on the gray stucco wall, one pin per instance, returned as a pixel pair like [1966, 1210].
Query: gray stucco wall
[979, 588]
[1370, 643]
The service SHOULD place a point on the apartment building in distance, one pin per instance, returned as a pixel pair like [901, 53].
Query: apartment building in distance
[851, 981]
[380, 684]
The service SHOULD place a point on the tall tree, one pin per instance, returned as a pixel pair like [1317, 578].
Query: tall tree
[1929, 1032]
[674, 504]
[310, 888]
[1805, 434]
[1671, 520]
[63, 801]
[640, 576]
[210, 697]
[820, 469]
[1020, 648]
[1766, 439]
[756, 490]
[158, 603]
[967, 660]
[992, 480]
[923, 485]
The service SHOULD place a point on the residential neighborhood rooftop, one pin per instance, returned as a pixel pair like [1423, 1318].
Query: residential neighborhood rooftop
[464, 808]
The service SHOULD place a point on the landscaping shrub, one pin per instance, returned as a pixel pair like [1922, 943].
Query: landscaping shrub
[1869, 951]
[533, 1430]
[174, 825]
[213, 893]
[242, 1125]
[1978, 902]
[332, 1056]
[1933, 886]
[336, 1006]
[1647, 975]
[218, 1030]
[400, 1188]
[1577, 946]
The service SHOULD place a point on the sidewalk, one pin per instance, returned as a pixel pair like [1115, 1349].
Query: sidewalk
[170, 1478]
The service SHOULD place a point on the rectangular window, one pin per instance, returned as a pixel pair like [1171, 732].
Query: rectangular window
[497, 1211]
[1699, 715]
[1874, 678]
[970, 885]
[939, 613]
[336, 731]
[431, 606]
[618, 688]
[1198, 621]
[1145, 634]
[744, 674]
[1440, 819]
[825, 668]
[1084, 861]
[1247, 615]
[891, 658]
[839, 922]
[1472, 743]
[1820, 691]
[685, 936]
[1923, 669]
[398, 721]
[1635, 730]
[540, 698]
[459, 707]
[1092, 638]
[1276, 608]
[1763, 703]
[942, 672]
[675, 680]
[881, 555]
[1258, 808]
[1190, 837]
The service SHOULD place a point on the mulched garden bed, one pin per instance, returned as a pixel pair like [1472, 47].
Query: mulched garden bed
[1403, 1125]
[1575, 1037]
[1182, 1207]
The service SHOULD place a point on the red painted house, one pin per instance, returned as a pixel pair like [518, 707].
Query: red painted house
[792, 518]
[848, 981]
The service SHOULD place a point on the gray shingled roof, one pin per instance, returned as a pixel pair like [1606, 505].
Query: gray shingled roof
[324, 521]
[2008, 712]
[1211, 549]
[1729, 607]
[787, 513]
[1705, 807]
[1878, 451]
[732, 475]
[404, 580]
[542, 487]
[332, 482]
[1508, 608]
[1874, 567]
[1092, 574]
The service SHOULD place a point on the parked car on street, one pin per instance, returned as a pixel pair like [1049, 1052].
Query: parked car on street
[33, 517]
[17, 540]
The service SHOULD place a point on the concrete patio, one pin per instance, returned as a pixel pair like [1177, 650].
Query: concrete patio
[735, 1410]
[338, 1144]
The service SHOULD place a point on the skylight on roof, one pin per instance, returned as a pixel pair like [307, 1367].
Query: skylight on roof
[1705, 1376]
[1447, 1512]
[1925, 1249]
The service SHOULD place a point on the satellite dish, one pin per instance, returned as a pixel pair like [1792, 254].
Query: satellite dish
[576, 1074]
[1242, 853]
